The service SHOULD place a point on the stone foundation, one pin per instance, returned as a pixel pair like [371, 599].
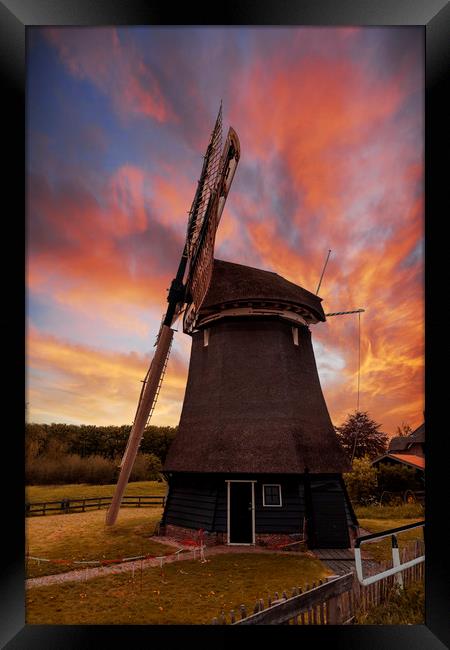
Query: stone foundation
[279, 540]
[191, 535]
[268, 540]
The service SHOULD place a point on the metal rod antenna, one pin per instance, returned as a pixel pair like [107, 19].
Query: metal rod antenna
[323, 271]
[359, 357]
[354, 443]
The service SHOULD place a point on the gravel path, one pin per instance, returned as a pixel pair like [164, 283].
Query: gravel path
[97, 572]
[88, 573]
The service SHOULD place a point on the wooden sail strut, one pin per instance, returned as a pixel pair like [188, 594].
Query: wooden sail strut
[143, 411]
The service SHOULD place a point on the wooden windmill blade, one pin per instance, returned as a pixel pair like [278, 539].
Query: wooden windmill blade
[215, 180]
[202, 255]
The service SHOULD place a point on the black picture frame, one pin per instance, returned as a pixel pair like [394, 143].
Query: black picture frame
[434, 16]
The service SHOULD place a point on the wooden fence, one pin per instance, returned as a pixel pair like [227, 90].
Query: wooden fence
[336, 601]
[65, 506]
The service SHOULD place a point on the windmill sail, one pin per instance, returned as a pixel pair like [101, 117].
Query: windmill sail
[207, 186]
[215, 180]
[201, 263]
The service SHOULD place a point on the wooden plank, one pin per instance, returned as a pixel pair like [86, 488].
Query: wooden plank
[322, 613]
[345, 606]
[283, 611]
[332, 616]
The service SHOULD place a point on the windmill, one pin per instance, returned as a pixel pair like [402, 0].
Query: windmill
[256, 459]
[188, 288]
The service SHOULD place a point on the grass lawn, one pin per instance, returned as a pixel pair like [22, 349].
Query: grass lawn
[188, 592]
[42, 493]
[84, 536]
[381, 550]
[406, 511]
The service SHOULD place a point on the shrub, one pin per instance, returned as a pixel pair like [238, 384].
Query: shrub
[397, 478]
[147, 467]
[53, 470]
[58, 469]
[361, 482]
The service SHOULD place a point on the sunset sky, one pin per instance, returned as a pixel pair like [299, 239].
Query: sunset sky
[330, 122]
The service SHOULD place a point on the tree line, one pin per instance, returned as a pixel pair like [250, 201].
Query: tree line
[60, 453]
[90, 440]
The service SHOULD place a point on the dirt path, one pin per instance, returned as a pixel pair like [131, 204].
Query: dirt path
[131, 566]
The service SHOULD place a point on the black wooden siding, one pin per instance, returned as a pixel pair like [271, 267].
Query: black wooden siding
[220, 520]
[191, 507]
[197, 502]
[330, 529]
[287, 518]
[332, 513]
[334, 484]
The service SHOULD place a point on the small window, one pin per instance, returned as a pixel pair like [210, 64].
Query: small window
[272, 495]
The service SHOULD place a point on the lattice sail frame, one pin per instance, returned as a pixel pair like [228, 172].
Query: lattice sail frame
[202, 258]
[207, 186]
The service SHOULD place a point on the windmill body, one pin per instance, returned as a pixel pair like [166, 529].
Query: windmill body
[256, 458]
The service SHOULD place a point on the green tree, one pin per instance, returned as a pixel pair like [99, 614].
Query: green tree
[360, 436]
[362, 482]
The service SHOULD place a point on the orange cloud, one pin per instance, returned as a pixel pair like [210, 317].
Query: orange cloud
[68, 382]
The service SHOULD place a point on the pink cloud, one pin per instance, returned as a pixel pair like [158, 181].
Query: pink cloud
[118, 70]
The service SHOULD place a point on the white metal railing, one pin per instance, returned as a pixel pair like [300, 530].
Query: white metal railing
[397, 567]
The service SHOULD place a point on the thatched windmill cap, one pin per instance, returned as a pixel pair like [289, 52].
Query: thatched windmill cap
[233, 284]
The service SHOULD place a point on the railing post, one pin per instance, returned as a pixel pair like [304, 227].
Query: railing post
[396, 561]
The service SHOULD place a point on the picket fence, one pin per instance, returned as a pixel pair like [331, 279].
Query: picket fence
[335, 601]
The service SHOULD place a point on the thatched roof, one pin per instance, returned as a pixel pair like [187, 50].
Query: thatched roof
[233, 283]
[253, 403]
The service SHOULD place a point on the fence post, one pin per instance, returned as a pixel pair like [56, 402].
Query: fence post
[333, 608]
[334, 611]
